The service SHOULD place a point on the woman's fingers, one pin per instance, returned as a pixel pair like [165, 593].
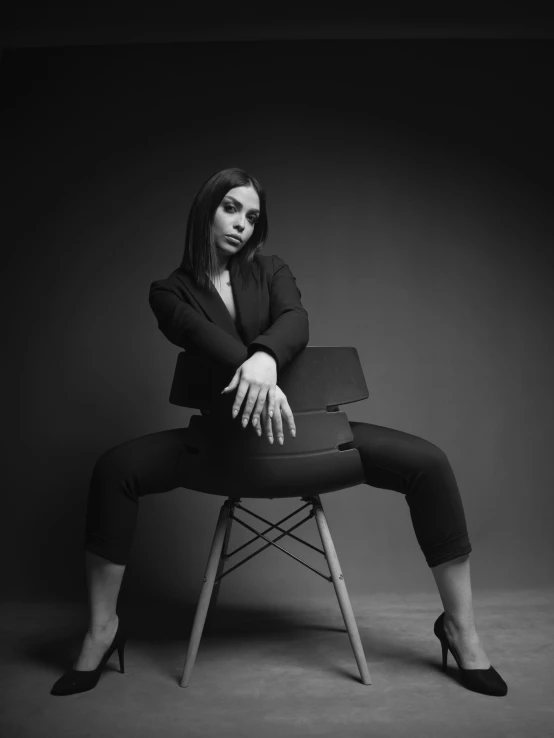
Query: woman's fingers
[274, 426]
[255, 402]
[240, 395]
[269, 404]
[260, 402]
[256, 374]
[266, 420]
[283, 411]
[253, 394]
[289, 417]
[278, 423]
[270, 401]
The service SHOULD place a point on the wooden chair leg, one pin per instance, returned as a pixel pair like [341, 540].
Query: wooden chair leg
[206, 592]
[215, 593]
[340, 589]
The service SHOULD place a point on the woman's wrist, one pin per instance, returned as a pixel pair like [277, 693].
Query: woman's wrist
[259, 352]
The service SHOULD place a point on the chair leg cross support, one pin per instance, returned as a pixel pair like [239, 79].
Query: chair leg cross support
[216, 562]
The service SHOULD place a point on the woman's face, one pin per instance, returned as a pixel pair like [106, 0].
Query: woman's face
[235, 218]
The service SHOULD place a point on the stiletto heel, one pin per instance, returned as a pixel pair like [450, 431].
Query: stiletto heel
[485, 681]
[120, 651]
[444, 654]
[74, 681]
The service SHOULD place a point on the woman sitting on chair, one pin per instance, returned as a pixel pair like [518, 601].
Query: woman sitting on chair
[241, 310]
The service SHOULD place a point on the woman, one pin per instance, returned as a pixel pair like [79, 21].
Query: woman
[241, 311]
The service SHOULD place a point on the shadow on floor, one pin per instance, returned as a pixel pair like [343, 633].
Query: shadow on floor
[309, 640]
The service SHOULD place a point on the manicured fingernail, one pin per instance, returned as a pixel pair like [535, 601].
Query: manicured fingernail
[271, 413]
[244, 422]
[281, 440]
[235, 413]
[293, 433]
[271, 439]
[254, 421]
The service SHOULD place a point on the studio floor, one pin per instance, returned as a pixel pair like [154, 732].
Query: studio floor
[284, 670]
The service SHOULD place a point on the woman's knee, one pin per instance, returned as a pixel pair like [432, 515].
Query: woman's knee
[434, 460]
[114, 463]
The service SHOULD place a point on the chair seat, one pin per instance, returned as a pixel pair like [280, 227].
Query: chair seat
[228, 460]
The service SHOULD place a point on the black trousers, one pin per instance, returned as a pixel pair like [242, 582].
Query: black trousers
[391, 460]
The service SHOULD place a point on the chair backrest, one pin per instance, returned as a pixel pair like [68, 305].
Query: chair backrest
[316, 382]
[318, 378]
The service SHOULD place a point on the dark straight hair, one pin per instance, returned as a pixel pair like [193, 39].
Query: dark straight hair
[200, 255]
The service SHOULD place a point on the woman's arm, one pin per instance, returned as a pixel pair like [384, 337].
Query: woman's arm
[287, 335]
[289, 331]
[181, 324]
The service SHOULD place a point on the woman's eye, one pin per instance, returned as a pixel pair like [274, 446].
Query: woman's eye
[231, 209]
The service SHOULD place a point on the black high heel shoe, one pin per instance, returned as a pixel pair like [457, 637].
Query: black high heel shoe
[74, 681]
[484, 681]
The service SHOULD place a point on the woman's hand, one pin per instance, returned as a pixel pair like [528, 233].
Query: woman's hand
[281, 409]
[256, 376]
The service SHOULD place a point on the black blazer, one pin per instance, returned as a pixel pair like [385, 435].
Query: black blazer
[270, 315]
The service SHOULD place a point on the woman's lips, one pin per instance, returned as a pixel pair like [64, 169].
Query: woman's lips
[235, 241]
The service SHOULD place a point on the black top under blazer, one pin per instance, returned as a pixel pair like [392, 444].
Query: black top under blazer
[270, 315]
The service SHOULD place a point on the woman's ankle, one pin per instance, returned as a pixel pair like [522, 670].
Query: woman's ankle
[463, 625]
[103, 624]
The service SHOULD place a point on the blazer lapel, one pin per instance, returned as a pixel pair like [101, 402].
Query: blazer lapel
[247, 303]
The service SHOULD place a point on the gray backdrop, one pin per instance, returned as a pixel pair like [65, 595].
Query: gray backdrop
[409, 191]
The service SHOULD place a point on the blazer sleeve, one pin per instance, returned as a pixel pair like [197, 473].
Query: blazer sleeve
[185, 327]
[288, 333]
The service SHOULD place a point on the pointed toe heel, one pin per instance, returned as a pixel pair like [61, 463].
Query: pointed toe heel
[485, 681]
[74, 681]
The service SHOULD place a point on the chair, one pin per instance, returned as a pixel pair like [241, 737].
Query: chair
[234, 462]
